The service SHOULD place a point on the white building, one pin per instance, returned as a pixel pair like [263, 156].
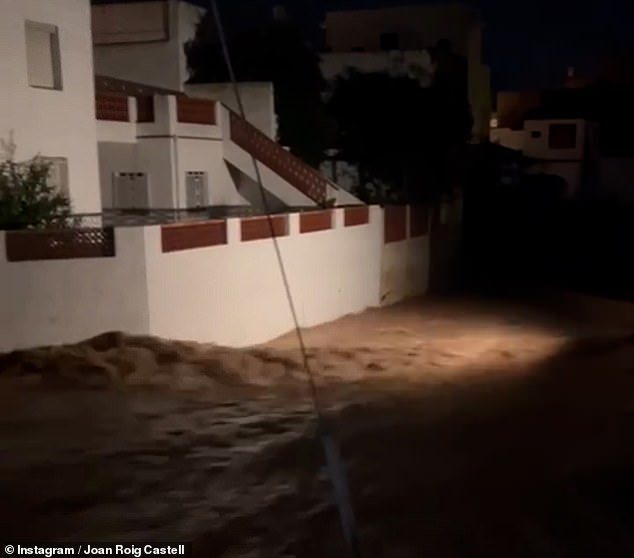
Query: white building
[128, 145]
[48, 97]
[559, 146]
[144, 41]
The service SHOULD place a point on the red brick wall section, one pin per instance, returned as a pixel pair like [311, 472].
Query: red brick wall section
[354, 216]
[187, 236]
[67, 244]
[145, 109]
[314, 221]
[256, 228]
[195, 111]
[418, 220]
[112, 106]
[395, 223]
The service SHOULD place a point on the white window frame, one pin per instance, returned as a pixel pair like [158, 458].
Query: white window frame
[58, 174]
[56, 62]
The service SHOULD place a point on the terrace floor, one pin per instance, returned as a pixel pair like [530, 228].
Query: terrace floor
[470, 428]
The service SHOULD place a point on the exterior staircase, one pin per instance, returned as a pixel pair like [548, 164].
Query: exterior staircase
[287, 180]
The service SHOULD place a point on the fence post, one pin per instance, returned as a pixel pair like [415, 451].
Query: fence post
[234, 230]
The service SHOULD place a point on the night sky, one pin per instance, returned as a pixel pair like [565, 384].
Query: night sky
[527, 45]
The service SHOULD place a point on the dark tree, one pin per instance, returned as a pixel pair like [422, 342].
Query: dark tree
[277, 53]
[408, 137]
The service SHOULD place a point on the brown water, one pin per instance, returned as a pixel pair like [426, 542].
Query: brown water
[468, 430]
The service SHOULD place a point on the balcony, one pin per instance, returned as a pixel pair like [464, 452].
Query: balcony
[113, 107]
[195, 111]
[123, 117]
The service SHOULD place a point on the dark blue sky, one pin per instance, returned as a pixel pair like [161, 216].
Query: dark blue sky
[527, 44]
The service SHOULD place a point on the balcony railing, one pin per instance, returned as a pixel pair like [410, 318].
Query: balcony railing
[112, 106]
[195, 111]
[145, 108]
[270, 153]
[59, 245]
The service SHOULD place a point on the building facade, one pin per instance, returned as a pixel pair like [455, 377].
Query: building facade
[144, 41]
[360, 38]
[48, 97]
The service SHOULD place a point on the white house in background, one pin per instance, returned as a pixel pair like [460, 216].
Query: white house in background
[47, 91]
[144, 41]
[416, 64]
[564, 147]
[561, 147]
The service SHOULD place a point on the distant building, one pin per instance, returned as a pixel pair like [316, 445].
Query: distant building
[399, 40]
[583, 134]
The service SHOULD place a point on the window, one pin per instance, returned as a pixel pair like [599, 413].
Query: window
[43, 56]
[390, 41]
[58, 174]
[562, 136]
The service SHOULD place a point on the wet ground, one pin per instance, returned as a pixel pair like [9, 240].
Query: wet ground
[469, 429]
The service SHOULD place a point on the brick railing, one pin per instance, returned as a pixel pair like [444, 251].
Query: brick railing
[186, 236]
[354, 216]
[65, 244]
[313, 221]
[257, 228]
[418, 220]
[195, 111]
[145, 109]
[396, 226]
[270, 153]
[112, 106]
[395, 223]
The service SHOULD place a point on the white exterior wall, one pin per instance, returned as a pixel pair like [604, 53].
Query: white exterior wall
[538, 147]
[234, 295]
[156, 156]
[207, 156]
[257, 98]
[231, 295]
[506, 137]
[399, 63]
[48, 122]
[417, 26]
[165, 149]
[117, 148]
[160, 63]
[66, 301]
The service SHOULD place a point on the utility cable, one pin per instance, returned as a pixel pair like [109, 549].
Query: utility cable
[333, 459]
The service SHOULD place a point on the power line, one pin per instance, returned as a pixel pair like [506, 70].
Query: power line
[333, 459]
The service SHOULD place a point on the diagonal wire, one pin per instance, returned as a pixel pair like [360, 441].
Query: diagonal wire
[333, 459]
[269, 218]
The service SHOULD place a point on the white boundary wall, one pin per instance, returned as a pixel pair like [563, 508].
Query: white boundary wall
[229, 294]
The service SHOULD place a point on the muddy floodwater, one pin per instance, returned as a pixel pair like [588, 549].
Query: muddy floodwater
[469, 429]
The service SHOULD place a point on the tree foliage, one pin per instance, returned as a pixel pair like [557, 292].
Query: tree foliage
[279, 54]
[404, 137]
[27, 200]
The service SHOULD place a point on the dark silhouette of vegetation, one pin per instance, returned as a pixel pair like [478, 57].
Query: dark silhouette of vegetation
[409, 138]
[279, 54]
[27, 200]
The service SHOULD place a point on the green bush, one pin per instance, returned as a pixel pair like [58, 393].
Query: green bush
[27, 200]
